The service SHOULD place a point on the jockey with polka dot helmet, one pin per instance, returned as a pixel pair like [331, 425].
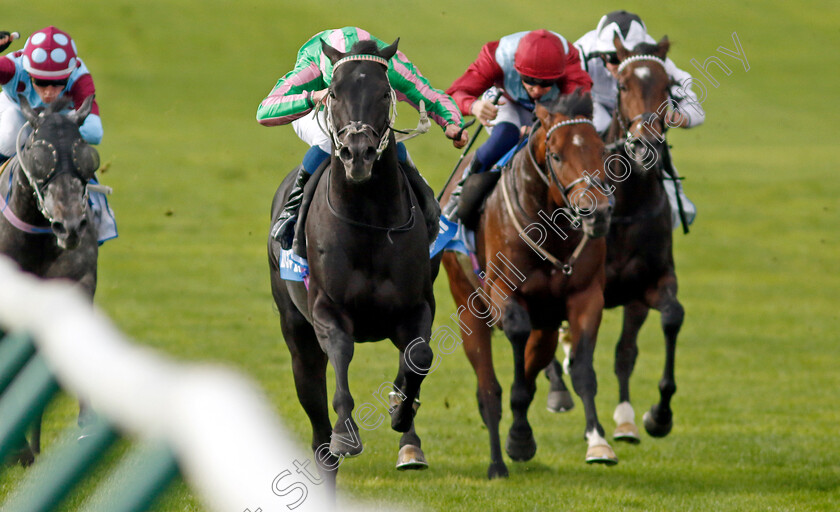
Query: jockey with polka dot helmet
[47, 68]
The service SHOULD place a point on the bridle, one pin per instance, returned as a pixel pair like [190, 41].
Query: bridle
[573, 212]
[645, 117]
[355, 127]
[550, 171]
[52, 175]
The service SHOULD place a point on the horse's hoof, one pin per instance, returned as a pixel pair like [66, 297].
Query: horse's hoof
[654, 428]
[497, 470]
[521, 450]
[411, 457]
[628, 433]
[341, 449]
[601, 454]
[559, 401]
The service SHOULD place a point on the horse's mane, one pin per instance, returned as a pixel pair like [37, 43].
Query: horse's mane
[574, 104]
[364, 47]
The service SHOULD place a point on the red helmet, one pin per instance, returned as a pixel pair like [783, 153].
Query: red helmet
[49, 54]
[540, 54]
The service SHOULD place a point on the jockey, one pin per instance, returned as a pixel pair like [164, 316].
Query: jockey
[46, 69]
[526, 67]
[293, 98]
[599, 59]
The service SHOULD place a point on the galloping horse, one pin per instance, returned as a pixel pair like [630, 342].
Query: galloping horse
[640, 261]
[47, 227]
[530, 285]
[370, 276]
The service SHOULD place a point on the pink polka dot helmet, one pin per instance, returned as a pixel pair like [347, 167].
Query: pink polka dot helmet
[49, 54]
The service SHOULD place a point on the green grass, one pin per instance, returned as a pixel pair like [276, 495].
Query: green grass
[756, 413]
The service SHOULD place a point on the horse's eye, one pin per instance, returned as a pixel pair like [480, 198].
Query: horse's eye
[555, 157]
[622, 87]
[85, 159]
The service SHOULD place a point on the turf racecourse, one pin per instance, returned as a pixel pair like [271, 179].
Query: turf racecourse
[756, 413]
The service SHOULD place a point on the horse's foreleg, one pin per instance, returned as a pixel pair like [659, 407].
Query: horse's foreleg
[659, 420]
[332, 332]
[412, 339]
[559, 399]
[521, 445]
[626, 351]
[309, 368]
[585, 309]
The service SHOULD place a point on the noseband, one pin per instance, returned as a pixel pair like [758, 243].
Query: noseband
[355, 127]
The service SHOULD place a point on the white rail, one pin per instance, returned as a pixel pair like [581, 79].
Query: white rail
[230, 445]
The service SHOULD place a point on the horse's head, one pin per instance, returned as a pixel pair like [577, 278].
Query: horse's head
[643, 98]
[360, 105]
[567, 145]
[58, 164]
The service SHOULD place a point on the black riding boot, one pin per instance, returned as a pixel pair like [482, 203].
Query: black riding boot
[425, 196]
[450, 211]
[284, 227]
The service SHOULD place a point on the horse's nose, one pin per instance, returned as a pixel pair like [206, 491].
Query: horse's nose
[68, 232]
[358, 158]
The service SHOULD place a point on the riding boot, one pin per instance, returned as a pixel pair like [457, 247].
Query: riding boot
[450, 211]
[425, 197]
[284, 227]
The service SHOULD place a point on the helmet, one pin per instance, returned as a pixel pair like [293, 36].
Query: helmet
[49, 54]
[627, 26]
[541, 55]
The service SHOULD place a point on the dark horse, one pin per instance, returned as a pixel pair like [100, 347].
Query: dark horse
[640, 260]
[370, 275]
[47, 227]
[536, 277]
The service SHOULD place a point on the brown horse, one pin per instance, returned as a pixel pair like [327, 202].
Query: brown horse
[640, 262]
[537, 276]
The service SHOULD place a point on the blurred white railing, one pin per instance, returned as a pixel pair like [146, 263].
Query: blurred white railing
[229, 444]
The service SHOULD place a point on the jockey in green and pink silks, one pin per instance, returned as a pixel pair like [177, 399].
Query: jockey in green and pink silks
[294, 96]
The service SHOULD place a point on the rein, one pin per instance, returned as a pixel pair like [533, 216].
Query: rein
[406, 226]
[10, 215]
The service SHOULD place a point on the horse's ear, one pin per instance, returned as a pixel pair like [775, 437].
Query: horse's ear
[331, 53]
[662, 47]
[620, 51]
[542, 113]
[389, 51]
[28, 112]
[78, 116]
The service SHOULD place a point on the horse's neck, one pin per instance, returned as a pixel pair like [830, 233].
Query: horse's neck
[641, 190]
[382, 198]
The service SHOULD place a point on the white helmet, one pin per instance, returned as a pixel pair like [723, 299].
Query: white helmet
[627, 26]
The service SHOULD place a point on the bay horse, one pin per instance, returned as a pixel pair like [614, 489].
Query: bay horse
[47, 226]
[531, 286]
[370, 276]
[640, 262]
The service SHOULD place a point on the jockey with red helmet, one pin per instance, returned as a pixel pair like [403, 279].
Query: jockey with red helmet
[46, 69]
[524, 68]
